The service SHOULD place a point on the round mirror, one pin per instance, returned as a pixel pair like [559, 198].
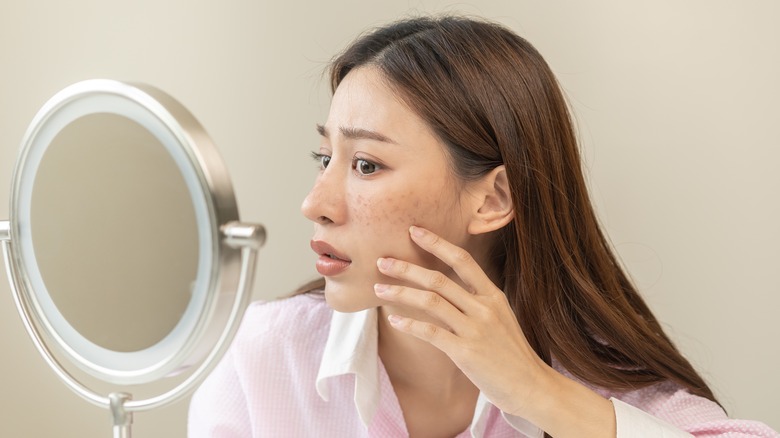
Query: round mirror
[137, 201]
[124, 247]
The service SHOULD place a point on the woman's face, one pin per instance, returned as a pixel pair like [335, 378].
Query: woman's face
[382, 170]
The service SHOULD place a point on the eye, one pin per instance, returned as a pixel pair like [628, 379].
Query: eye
[364, 167]
[322, 159]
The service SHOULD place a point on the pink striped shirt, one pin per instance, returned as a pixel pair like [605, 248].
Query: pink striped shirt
[299, 369]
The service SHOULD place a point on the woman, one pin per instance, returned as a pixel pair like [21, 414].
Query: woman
[468, 289]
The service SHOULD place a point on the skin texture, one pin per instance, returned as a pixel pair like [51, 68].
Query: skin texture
[417, 239]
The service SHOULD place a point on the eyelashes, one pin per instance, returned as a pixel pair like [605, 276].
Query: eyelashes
[321, 159]
[360, 165]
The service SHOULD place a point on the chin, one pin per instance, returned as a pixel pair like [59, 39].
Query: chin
[348, 298]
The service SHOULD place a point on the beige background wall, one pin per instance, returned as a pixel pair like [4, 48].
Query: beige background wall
[678, 106]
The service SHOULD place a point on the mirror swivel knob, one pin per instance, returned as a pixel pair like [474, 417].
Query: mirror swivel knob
[243, 234]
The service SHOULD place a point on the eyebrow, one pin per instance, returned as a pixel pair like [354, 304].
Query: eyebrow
[356, 134]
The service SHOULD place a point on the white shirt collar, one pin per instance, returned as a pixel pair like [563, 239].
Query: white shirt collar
[352, 349]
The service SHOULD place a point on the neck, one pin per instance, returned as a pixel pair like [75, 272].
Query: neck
[416, 365]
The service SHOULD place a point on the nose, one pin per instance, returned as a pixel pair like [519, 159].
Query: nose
[325, 202]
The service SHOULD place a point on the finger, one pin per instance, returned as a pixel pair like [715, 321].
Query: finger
[425, 279]
[454, 256]
[429, 302]
[435, 335]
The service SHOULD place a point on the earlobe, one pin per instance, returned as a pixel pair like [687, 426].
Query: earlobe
[494, 208]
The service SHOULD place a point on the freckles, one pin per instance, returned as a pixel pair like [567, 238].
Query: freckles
[374, 212]
[405, 212]
[362, 210]
[419, 209]
[398, 215]
[396, 212]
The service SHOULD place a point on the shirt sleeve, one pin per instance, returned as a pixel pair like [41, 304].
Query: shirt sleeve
[219, 408]
[661, 412]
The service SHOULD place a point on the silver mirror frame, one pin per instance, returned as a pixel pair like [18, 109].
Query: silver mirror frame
[228, 246]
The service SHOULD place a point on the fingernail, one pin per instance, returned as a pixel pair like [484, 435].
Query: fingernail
[384, 263]
[379, 289]
[416, 231]
[394, 319]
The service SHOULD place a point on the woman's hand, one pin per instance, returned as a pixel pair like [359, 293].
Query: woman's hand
[478, 331]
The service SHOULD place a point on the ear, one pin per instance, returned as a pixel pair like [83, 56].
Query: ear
[493, 202]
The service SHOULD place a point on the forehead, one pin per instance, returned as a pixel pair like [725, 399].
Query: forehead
[364, 100]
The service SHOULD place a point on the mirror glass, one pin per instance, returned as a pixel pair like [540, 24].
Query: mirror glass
[114, 232]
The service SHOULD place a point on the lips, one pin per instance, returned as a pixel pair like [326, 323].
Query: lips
[330, 262]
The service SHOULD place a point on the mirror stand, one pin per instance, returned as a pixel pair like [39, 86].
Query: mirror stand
[245, 237]
[123, 420]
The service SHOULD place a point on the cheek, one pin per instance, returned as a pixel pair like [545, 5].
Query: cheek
[385, 213]
[384, 220]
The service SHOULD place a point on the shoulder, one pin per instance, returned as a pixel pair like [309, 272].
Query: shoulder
[284, 323]
[267, 373]
[287, 312]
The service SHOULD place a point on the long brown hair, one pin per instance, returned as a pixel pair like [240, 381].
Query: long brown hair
[491, 99]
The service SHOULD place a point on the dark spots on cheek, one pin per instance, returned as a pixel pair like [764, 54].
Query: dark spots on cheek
[398, 215]
[396, 211]
[373, 211]
[361, 210]
[406, 210]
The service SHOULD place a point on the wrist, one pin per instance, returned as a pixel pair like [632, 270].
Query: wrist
[533, 393]
[564, 408]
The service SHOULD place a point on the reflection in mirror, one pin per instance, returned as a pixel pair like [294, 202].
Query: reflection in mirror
[123, 279]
